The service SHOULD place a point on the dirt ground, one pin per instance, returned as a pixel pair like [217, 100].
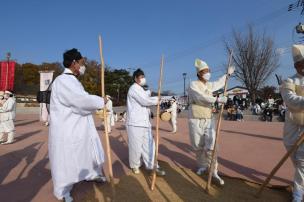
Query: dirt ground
[180, 184]
[248, 150]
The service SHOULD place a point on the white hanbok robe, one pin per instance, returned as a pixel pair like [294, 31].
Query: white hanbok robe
[110, 116]
[141, 142]
[7, 116]
[173, 111]
[292, 132]
[75, 150]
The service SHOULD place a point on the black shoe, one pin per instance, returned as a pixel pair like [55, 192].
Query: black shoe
[158, 171]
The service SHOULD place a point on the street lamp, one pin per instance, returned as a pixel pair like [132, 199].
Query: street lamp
[8, 55]
[184, 76]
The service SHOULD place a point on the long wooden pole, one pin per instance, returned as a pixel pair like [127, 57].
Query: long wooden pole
[157, 123]
[108, 147]
[218, 131]
[299, 141]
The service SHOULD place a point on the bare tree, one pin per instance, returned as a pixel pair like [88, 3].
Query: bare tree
[255, 58]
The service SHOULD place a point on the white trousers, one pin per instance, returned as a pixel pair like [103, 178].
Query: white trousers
[298, 162]
[202, 137]
[173, 123]
[10, 137]
[291, 133]
[7, 126]
[109, 122]
[141, 145]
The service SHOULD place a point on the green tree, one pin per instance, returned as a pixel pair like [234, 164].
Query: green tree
[117, 81]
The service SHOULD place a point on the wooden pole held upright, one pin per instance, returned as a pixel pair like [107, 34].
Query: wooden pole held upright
[157, 123]
[108, 147]
[218, 131]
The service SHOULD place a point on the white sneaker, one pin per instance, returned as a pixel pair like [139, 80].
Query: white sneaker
[7, 142]
[200, 171]
[135, 170]
[218, 178]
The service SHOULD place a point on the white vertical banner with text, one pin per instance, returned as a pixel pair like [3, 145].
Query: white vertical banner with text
[46, 78]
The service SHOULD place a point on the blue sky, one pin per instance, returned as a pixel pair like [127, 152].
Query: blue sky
[136, 33]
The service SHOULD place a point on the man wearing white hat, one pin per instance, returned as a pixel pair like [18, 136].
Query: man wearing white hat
[201, 120]
[110, 116]
[173, 111]
[7, 116]
[292, 91]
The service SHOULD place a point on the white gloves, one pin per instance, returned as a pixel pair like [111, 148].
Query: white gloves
[222, 99]
[230, 70]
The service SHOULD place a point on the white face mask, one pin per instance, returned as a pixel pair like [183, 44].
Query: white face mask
[207, 76]
[82, 70]
[142, 81]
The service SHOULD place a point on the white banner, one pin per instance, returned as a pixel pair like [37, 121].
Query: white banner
[46, 78]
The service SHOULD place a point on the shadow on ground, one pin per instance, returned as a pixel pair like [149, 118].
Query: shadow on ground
[180, 184]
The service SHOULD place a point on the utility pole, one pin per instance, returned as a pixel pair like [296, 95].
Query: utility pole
[184, 76]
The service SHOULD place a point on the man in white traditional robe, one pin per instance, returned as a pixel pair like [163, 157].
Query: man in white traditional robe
[292, 91]
[140, 138]
[201, 120]
[110, 116]
[7, 116]
[75, 150]
[173, 111]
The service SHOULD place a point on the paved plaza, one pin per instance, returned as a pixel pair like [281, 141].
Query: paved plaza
[248, 150]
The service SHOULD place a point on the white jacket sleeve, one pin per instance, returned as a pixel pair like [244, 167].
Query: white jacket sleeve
[291, 99]
[80, 102]
[220, 83]
[143, 99]
[199, 97]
